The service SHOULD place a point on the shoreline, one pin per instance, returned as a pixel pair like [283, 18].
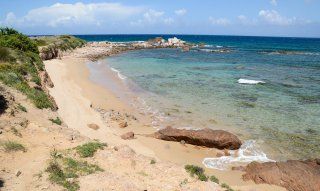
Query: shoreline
[73, 87]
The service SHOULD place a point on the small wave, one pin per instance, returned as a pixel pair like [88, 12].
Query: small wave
[246, 81]
[211, 46]
[220, 50]
[288, 52]
[122, 77]
[248, 152]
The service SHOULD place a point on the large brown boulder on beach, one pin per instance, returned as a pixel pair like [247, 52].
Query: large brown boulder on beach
[205, 137]
[294, 175]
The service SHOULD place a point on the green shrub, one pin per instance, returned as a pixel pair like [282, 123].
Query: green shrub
[5, 55]
[196, 170]
[79, 168]
[38, 97]
[88, 149]
[214, 179]
[61, 169]
[11, 146]
[7, 31]
[13, 39]
[56, 121]
[152, 162]
[40, 42]
[203, 177]
[56, 175]
[227, 187]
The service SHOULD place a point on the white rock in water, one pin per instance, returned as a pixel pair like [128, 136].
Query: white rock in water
[245, 81]
[175, 41]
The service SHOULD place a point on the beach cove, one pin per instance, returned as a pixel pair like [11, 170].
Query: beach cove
[75, 93]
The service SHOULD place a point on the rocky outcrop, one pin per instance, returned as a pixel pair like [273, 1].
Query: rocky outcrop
[206, 137]
[50, 52]
[294, 175]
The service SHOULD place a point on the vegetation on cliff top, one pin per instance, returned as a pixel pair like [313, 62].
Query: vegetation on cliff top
[21, 65]
[50, 46]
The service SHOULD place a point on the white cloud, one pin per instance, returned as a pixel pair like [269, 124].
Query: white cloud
[246, 21]
[273, 17]
[74, 14]
[180, 12]
[151, 17]
[274, 2]
[219, 21]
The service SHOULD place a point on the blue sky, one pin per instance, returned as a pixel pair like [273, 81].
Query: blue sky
[299, 18]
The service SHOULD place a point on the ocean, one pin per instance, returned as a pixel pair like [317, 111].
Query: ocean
[264, 89]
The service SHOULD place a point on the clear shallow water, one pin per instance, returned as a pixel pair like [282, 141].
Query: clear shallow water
[200, 88]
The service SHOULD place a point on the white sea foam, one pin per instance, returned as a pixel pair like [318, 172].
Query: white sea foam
[218, 46]
[246, 81]
[248, 152]
[206, 50]
[122, 77]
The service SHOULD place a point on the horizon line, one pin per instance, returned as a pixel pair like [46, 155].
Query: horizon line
[151, 34]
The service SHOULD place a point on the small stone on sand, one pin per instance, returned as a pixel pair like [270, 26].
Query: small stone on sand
[93, 126]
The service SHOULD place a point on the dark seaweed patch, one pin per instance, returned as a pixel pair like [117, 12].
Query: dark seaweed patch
[245, 97]
[309, 99]
[247, 104]
[311, 131]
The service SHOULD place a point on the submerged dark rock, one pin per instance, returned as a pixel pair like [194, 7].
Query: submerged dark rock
[294, 175]
[205, 137]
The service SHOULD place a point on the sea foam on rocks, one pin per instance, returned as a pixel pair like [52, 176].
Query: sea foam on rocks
[247, 153]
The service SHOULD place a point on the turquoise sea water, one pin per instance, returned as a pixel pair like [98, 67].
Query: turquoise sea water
[200, 88]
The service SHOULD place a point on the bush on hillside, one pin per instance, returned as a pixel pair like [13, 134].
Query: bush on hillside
[13, 39]
[5, 55]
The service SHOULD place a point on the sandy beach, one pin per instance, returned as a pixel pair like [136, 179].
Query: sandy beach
[78, 99]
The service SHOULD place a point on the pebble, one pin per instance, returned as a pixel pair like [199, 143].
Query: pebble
[18, 173]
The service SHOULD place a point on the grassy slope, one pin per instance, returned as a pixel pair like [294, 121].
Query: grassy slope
[20, 63]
